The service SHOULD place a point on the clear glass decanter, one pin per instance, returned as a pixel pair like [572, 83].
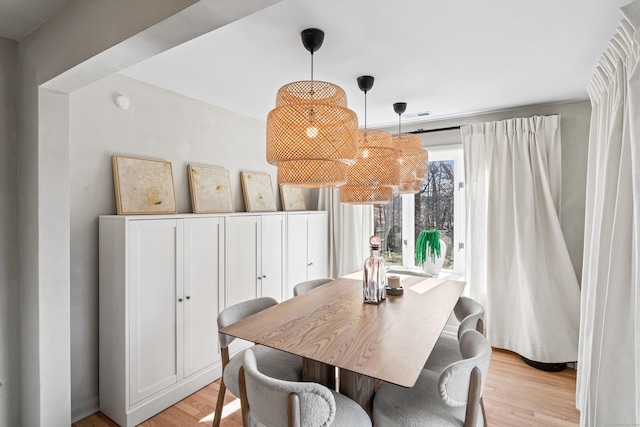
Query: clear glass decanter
[374, 280]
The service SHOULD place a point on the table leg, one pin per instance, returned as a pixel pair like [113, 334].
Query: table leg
[359, 388]
[319, 372]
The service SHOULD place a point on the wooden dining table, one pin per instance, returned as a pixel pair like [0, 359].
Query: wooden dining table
[330, 327]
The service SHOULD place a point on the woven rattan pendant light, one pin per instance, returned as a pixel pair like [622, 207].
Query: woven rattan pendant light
[311, 134]
[371, 180]
[414, 160]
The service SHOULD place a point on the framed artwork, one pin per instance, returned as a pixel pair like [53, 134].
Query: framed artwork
[292, 198]
[210, 189]
[143, 186]
[258, 191]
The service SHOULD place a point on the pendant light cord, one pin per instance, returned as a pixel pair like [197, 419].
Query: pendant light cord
[311, 69]
[365, 110]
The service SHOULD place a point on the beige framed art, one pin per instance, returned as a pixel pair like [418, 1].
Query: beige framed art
[258, 191]
[210, 189]
[143, 186]
[292, 198]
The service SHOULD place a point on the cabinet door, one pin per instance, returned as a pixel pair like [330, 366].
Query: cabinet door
[296, 251]
[242, 259]
[272, 256]
[317, 246]
[203, 267]
[155, 316]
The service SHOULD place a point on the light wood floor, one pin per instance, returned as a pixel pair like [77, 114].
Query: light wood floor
[515, 395]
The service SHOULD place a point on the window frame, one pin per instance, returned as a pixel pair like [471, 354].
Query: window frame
[439, 153]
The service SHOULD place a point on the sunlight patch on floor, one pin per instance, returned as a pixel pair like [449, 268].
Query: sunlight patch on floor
[227, 410]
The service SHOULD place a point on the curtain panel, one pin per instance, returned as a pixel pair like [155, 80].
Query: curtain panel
[518, 265]
[608, 389]
[350, 227]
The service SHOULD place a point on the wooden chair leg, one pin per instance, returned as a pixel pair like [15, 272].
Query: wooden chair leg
[484, 414]
[244, 401]
[224, 352]
[473, 400]
[293, 410]
[219, 404]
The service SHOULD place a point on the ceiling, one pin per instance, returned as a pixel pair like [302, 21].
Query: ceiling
[448, 58]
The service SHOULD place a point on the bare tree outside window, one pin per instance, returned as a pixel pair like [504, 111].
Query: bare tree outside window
[388, 225]
[434, 205]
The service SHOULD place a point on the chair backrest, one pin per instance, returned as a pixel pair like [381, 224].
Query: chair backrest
[239, 311]
[470, 314]
[303, 287]
[455, 380]
[274, 403]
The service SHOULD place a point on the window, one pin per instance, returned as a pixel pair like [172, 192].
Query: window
[439, 204]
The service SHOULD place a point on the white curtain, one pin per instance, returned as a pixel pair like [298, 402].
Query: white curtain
[518, 265]
[350, 227]
[608, 390]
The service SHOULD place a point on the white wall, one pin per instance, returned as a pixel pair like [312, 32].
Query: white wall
[9, 331]
[574, 123]
[158, 124]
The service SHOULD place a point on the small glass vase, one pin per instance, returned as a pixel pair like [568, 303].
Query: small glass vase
[374, 279]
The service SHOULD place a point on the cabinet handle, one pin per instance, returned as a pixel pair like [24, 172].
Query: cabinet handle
[264, 277]
[188, 297]
[310, 264]
[179, 299]
[259, 278]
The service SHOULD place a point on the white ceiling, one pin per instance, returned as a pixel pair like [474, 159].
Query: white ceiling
[447, 57]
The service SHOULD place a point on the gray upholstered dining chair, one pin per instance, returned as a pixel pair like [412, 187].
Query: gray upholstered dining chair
[270, 402]
[470, 314]
[449, 398]
[275, 363]
[303, 287]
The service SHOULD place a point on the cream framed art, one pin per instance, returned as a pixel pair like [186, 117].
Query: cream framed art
[210, 188]
[292, 198]
[258, 192]
[143, 186]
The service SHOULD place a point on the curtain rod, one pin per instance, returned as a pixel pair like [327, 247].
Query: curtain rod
[435, 130]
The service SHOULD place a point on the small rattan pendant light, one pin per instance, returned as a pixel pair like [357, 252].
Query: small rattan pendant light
[414, 160]
[372, 179]
[311, 134]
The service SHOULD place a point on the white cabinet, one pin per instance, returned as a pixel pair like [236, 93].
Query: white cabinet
[307, 248]
[255, 251]
[163, 281]
[159, 299]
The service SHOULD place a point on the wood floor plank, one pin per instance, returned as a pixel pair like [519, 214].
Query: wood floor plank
[515, 395]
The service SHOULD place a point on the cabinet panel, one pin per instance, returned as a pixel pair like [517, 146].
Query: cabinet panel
[307, 248]
[242, 259]
[272, 255]
[296, 252]
[202, 273]
[317, 237]
[155, 282]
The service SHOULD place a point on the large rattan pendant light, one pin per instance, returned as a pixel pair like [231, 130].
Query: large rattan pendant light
[414, 160]
[371, 180]
[311, 134]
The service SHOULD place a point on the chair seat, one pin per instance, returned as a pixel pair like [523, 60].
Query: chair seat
[445, 352]
[349, 413]
[420, 405]
[274, 363]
